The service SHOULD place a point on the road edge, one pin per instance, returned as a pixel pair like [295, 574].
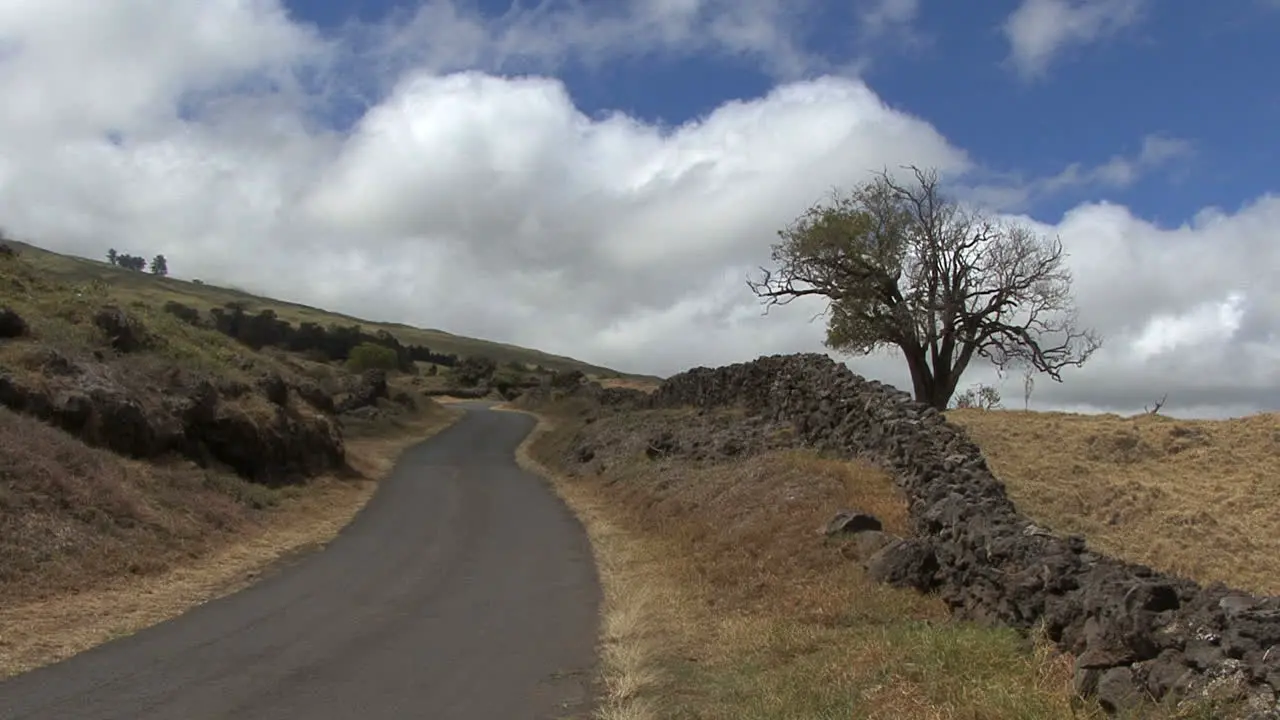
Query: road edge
[34, 635]
[626, 649]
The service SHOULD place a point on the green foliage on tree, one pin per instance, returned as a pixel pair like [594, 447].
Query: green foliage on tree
[370, 356]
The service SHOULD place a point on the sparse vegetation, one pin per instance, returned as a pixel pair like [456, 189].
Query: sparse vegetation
[474, 370]
[723, 602]
[981, 397]
[1193, 497]
[205, 295]
[703, 521]
[901, 265]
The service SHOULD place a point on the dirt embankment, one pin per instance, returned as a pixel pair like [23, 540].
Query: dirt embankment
[147, 462]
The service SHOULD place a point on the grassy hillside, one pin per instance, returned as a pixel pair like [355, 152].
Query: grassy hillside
[130, 285]
[149, 462]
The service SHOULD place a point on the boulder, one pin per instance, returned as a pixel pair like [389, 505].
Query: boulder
[852, 521]
[125, 332]
[12, 325]
[368, 389]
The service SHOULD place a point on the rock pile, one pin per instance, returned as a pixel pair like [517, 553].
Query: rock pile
[1137, 634]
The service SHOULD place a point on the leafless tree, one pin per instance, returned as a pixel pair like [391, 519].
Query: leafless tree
[1158, 406]
[901, 265]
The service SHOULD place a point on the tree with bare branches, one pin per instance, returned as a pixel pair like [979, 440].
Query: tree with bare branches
[901, 265]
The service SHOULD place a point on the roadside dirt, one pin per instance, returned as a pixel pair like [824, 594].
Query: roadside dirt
[38, 633]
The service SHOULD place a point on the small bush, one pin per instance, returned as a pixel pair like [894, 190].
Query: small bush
[368, 356]
[982, 397]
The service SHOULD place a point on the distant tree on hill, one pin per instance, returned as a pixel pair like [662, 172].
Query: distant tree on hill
[902, 266]
[112, 256]
[159, 266]
[129, 262]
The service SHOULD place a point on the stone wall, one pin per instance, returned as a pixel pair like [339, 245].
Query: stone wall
[1136, 634]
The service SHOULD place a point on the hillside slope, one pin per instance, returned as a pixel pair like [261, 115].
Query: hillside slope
[150, 460]
[131, 285]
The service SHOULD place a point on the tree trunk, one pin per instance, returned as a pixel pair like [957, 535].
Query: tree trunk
[944, 386]
[921, 378]
[929, 387]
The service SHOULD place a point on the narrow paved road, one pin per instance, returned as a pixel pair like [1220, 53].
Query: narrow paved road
[464, 589]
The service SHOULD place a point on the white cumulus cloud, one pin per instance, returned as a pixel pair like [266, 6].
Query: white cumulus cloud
[1038, 31]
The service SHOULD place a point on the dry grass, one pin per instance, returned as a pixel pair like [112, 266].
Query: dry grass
[646, 385]
[1197, 498]
[77, 612]
[723, 601]
[72, 515]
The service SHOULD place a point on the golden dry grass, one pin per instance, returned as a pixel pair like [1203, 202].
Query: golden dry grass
[1194, 497]
[47, 629]
[647, 385]
[723, 601]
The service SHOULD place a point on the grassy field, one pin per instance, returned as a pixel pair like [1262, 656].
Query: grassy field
[1194, 497]
[723, 600]
[130, 285]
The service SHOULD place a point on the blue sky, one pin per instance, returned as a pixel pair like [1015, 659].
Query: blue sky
[1199, 72]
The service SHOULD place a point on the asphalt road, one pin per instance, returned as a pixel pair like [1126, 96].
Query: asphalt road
[463, 590]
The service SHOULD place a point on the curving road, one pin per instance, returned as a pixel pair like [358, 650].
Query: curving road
[464, 589]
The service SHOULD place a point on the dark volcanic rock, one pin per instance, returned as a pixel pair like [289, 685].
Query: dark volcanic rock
[907, 562]
[261, 436]
[275, 388]
[125, 333]
[315, 396]
[371, 386]
[851, 521]
[1136, 633]
[12, 325]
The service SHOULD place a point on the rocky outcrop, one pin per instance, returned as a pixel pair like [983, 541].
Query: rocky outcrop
[125, 333]
[12, 325]
[366, 391]
[1136, 634]
[262, 433]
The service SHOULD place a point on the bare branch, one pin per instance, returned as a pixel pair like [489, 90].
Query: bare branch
[1156, 410]
[900, 264]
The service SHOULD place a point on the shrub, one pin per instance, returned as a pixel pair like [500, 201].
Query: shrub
[983, 397]
[368, 356]
[474, 370]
